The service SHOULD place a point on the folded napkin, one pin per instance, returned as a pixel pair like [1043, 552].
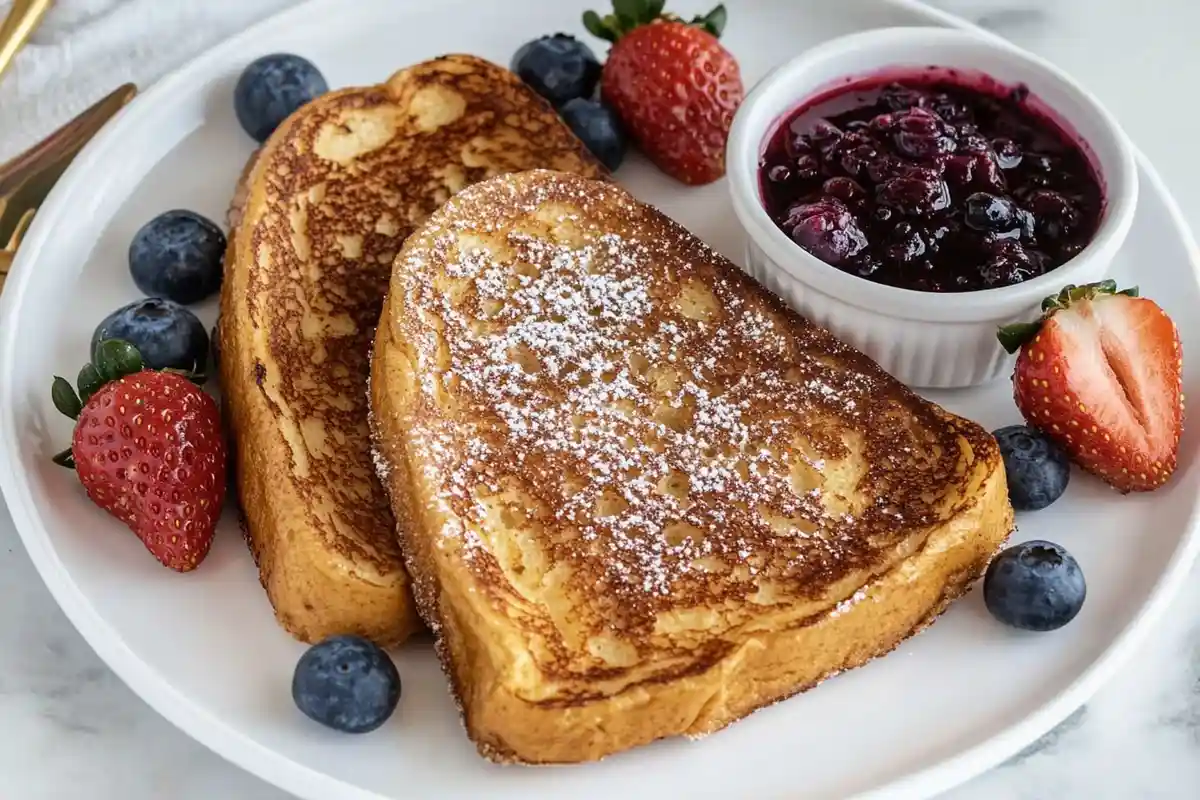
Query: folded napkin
[86, 48]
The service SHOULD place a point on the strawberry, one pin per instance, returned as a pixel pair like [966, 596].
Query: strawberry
[1101, 374]
[672, 84]
[148, 449]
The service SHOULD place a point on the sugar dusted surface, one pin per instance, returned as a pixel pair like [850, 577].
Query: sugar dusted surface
[589, 385]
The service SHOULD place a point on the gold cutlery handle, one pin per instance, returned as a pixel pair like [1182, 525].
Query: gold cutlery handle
[10, 250]
[26, 180]
[20, 22]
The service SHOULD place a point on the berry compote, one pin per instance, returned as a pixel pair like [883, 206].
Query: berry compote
[931, 184]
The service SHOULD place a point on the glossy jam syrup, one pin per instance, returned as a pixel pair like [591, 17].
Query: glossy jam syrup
[931, 181]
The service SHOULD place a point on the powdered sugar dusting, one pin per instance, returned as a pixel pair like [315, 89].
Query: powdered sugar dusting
[849, 603]
[644, 401]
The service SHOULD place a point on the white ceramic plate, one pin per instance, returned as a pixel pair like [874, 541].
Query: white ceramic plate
[204, 650]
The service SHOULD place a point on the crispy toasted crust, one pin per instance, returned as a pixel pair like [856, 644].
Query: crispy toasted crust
[638, 496]
[317, 220]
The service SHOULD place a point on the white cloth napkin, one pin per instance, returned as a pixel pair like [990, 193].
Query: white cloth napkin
[86, 48]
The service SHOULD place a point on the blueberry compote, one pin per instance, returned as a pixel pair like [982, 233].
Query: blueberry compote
[932, 185]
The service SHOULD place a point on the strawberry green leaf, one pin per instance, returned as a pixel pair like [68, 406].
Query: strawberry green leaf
[1060, 300]
[65, 459]
[65, 399]
[89, 382]
[116, 358]
[1089, 291]
[1076, 293]
[1013, 336]
[714, 21]
[630, 12]
[596, 27]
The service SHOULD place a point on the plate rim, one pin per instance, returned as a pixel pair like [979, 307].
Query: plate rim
[306, 782]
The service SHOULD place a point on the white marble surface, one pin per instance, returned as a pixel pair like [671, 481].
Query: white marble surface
[70, 729]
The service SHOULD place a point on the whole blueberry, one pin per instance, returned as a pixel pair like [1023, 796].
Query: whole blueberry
[988, 212]
[178, 255]
[166, 334]
[271, 88]
[597, 127]
[1035, 586]
[1037, 469]
[559, 68]
[346, 683]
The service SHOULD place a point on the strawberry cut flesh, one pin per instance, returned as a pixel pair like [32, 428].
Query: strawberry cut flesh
[1104, 380]
[1118, 367]
[1142, 353]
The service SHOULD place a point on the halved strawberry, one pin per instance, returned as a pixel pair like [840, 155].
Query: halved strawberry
[1101, 374]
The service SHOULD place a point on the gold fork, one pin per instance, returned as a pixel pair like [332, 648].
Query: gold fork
[22, 18]
[21, 21]
[27, 179]
[9, 251]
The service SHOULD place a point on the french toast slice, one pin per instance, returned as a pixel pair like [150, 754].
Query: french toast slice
[638, 496]
[317, 221]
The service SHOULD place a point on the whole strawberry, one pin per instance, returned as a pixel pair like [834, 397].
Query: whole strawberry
[672, 84]
[148, 449]
[1101, 374]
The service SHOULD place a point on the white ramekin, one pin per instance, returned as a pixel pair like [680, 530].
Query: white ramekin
[924, 339]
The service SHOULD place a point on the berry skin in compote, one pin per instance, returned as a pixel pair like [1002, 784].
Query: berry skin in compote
[929, 183]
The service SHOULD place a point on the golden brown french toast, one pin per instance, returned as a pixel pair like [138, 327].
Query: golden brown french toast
[318, 219]
[637, 495]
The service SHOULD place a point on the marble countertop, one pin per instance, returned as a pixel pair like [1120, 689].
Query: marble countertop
[70, 728]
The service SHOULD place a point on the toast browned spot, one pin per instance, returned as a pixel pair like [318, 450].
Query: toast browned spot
[318, 219]
[638, 496]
